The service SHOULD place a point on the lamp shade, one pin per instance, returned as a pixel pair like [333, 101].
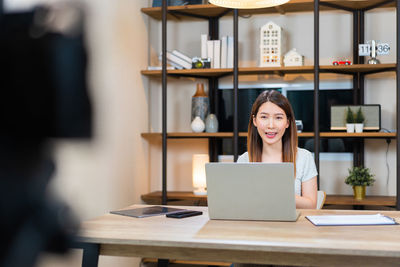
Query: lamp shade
[243, 4]
[199, 173]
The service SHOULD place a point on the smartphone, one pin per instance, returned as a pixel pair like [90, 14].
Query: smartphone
[184, 214]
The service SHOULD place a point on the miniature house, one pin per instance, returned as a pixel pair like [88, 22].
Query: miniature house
[293, 58]
[270, 45]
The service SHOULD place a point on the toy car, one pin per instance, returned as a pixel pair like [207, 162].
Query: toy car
[341, 62]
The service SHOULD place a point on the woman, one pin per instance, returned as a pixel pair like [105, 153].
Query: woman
[272, 137]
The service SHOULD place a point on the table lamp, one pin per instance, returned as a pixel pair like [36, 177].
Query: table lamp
[199, 173]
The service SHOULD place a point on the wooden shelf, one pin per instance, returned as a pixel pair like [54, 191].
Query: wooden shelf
[210, 10]
[188, 198]
[244, 134]
[350, 69]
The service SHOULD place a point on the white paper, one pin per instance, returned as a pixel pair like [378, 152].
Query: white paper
[376, 219]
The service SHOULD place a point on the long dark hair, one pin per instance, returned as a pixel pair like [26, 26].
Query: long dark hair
[289, 139]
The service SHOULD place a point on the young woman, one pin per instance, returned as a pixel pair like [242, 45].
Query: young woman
[272, 137]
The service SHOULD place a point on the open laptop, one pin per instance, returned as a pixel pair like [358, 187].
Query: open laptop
[251, 191]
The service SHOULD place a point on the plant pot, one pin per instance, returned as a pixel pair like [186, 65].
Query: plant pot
[350, 127]
[359, 192]
[359, 127]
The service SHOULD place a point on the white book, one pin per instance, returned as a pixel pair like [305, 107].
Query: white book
[230, 52]
[177, 60]
[204, 39]
[217, 54]
[182, 56]
[224, 52]
[174, 65]
[210, 52]
[159, 68]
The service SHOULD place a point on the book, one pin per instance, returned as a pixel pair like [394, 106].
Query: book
[217, 54]
[173, 64]
[224, 51]
[159, 68]
[210, 51]
[178, 61]
[182, 56]
[204, 38]
[343, 220]
[229, 63]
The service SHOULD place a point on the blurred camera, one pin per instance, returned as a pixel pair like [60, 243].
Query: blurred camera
[201, 63]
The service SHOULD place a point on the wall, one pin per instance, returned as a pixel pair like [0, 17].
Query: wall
[335, 43]
[110, 171]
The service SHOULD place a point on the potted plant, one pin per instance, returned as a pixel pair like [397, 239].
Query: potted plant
[359, 121]
[359, 178]
[350, 120]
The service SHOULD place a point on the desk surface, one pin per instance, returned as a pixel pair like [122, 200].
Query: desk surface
[198, 238]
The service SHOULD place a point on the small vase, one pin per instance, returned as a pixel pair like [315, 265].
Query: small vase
[350, 127]
[359, 192]
[200, 103]
[198, 125]
[359, 127]
[211, 123]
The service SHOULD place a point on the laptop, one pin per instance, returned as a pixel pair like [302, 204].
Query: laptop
[251, 191]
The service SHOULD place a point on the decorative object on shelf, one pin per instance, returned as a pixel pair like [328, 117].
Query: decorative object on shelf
[200, 103]
[293, 58]
[371, 112]
[247, 4]
[199, 173]
[372, 49]
[299, 125]
[201, 63]
[211, 123]
[359, 178]
[198, 125]
[341, 62]
[270, 45]
[350, 120]
[359, 121]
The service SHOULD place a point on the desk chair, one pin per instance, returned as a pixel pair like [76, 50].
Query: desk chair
[321, 196]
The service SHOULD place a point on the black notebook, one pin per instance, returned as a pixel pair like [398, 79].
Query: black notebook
[146, 212]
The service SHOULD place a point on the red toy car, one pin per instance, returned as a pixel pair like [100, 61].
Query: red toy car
[341, 62]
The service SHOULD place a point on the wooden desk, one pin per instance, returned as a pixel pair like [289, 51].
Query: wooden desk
[198, 238]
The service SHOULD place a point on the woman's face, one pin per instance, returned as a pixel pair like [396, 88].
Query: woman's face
[271, 122]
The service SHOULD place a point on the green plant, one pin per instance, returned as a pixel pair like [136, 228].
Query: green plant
[359, 118]
[349, 116]
[359, 176]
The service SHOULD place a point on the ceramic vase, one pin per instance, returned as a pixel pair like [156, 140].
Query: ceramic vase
[211, 123]
[359, 127]
[198, 125]
[200, 103]
[350, 127]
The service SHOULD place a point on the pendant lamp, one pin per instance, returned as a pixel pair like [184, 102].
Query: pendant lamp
[243, 4]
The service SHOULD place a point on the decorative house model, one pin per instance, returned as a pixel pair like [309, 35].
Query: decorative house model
[270, 45]
[292, 58]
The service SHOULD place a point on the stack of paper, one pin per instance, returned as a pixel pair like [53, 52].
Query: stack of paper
[329, 220]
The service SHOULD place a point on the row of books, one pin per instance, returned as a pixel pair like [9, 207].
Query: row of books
[220, 52]
[178, 60]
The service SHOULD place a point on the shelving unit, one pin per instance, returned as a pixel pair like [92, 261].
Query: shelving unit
[188, 198]
[358, 71]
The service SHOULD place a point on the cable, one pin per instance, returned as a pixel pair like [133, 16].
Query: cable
[387, 165]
